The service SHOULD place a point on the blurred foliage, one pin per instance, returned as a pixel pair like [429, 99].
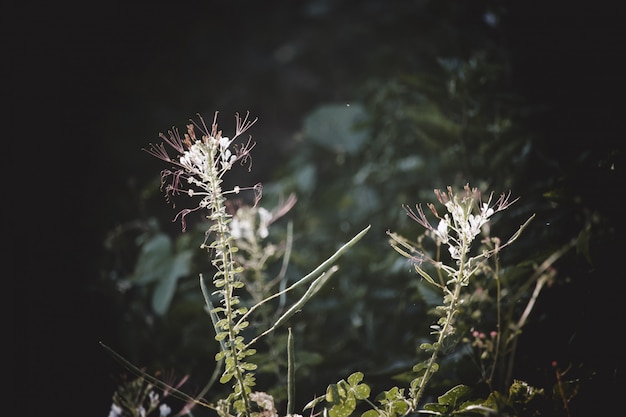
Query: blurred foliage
[446, 115]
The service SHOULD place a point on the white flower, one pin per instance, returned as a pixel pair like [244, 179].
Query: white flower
[202, 163]
[116, 411]
[196, 159]
[454, 252]
[487, 211]
[224, 142]
[265, 217]
[265, 401]
[164, 410]
[154, 398]
[442, 229]
[241, 227]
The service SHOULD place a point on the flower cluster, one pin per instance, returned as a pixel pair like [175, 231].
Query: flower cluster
[202, 161]
[250, 223]
[139, 398]
[116, 411]
[487, 344]
[467, 215]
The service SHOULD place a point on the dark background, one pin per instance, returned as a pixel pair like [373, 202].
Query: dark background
[114, 77]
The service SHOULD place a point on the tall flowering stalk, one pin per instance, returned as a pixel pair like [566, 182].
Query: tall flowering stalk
[198, 170]
[467, 215]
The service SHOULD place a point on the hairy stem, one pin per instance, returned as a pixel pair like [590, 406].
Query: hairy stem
[224, 263]
[447, 329]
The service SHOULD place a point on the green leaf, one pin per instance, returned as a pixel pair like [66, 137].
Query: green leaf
[248, 366]
[361, 391]
[522, 392]
[166, 287]
[154, 259]
[430, 295]
[344, 409]
[297, 306]
[455, 396]
[333, 126]
[355, 378]
[306, 177]
[227, 376]
[332, 394]
[311, 404]
[400, 408]
[325, 267]
[426, 346]
[420, 366]
[436, 409]
[291, 373]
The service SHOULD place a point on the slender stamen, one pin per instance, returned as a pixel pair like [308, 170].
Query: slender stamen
[173, 140]
[243, 124]
[158, 151]
[419, 217]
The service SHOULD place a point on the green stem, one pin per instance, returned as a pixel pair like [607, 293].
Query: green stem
[452, 311]
[291, 374]
[224, 267]
[437, 348]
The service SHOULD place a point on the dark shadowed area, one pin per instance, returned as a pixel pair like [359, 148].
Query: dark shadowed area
[127, 73]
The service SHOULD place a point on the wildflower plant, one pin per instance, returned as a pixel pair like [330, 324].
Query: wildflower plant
[467, 217]
[140, 398]
[462, 268]
[197, 171]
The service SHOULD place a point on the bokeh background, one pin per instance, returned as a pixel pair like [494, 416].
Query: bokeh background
[510, 95]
